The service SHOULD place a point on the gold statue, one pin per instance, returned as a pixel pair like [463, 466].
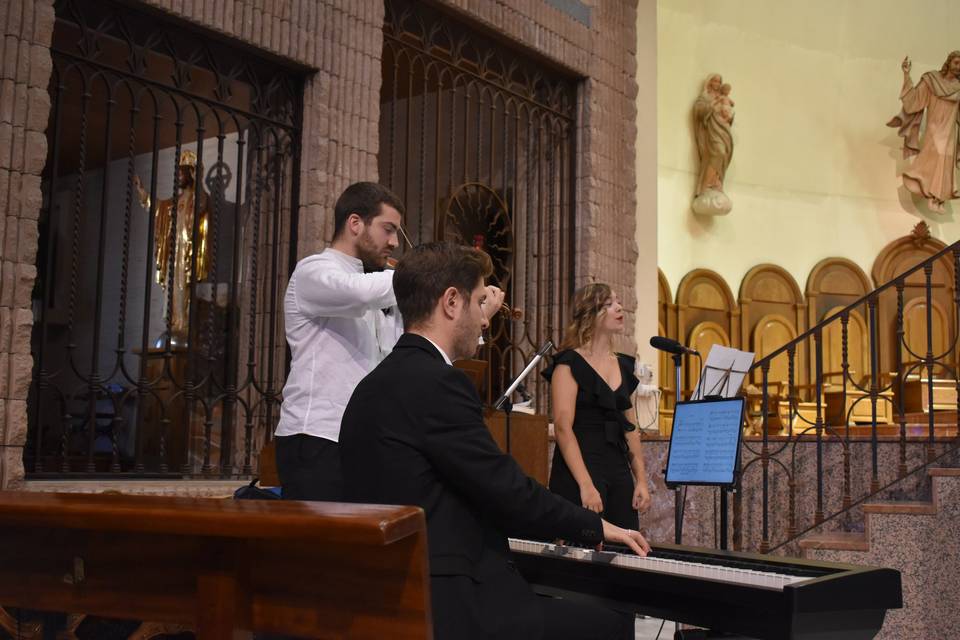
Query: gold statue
[183, 258]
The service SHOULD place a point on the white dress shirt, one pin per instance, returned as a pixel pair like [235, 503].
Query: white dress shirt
[338, 332]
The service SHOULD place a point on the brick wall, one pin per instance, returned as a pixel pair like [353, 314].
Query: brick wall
[342, 40]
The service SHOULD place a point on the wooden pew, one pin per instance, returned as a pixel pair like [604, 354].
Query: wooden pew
[225, 567]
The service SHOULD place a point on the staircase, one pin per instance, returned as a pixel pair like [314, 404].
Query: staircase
[920, 539]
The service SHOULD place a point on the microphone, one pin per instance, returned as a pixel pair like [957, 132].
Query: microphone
[671, 346]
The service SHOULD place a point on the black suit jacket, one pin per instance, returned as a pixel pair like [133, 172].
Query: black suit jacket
[413, 433]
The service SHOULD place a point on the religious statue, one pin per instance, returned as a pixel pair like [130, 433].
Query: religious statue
[712, 121]
[932, 175]
[178, 244]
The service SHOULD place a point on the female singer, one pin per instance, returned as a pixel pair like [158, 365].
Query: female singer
[597, 442]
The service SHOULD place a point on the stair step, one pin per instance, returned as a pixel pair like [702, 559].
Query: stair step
[901, 506]
[944, 471]
[840, 540]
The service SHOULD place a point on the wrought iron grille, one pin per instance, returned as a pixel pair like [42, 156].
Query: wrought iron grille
[890, 409]
[479, 141]
[167, 230]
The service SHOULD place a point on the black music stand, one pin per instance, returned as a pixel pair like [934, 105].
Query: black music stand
[705, 448]
[721, 387]
[678, 500]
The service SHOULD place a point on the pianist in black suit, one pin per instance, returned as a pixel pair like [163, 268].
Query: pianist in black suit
[413, 433]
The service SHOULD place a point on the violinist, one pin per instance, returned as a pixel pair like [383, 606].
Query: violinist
[337, 332]
[341, 320]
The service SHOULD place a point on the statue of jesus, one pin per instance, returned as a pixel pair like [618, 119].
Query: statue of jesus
[189, 266]
[932, 175]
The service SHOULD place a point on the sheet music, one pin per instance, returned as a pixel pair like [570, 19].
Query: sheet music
[704, 442]
[713, 379]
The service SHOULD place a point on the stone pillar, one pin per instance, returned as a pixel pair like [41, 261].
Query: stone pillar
[25, 68]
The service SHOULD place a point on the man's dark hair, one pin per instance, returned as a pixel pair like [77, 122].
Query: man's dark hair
[426, 271]
[363, 199]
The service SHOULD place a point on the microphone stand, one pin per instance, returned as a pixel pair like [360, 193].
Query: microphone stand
[503, 402]
[677, 499]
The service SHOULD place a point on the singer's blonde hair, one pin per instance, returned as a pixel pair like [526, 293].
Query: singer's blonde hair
[589, 304]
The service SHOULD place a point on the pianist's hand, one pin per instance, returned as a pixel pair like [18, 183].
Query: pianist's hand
[628, 537]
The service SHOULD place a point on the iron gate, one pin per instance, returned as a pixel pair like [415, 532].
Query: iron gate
[479, 141]
[167, 231]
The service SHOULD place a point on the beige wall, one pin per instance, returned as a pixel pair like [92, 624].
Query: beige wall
[646, 234]
[814, 171]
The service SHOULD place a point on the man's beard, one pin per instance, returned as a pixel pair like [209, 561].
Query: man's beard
[465, 344]
[371, 258]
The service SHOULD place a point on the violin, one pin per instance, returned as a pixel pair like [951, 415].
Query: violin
[505, 310]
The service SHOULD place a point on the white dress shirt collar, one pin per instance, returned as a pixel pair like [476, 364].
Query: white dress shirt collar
[446, 358]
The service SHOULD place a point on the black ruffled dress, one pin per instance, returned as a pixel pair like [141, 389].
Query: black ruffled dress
[599, 424]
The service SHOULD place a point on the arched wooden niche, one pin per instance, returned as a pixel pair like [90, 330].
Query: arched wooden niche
[702, 337]
[915, 332]
[666, 309]
[835, 283]
[770, 295]
[896, 258]
[666, 326]
[704, 297]
[769, 334]
[858, 348]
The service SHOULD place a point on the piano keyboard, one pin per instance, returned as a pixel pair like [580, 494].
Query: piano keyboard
[657, 564]
[760, 596]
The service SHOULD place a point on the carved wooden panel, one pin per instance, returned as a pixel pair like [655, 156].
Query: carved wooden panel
[769, 334]
[896, 258]
[666, 309]
[666, 377]
[835, 283]
[704, 297]
[858, 348]
[915, 331]
[666, 326]
[772, 308]
[702, 338]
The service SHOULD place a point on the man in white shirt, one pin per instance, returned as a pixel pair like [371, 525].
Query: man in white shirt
[341, 321]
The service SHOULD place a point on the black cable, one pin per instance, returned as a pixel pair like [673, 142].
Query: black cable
[661, 629]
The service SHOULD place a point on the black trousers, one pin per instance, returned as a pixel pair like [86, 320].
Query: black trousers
[309, 468]
[569, 620]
